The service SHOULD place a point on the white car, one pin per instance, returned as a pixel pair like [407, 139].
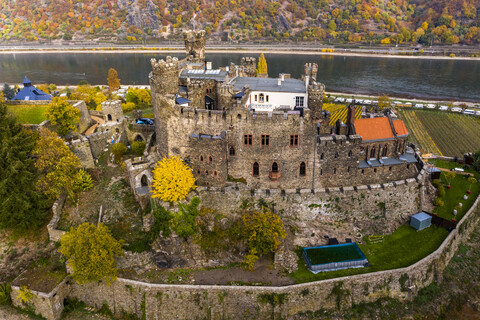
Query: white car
[443, 108]
[339, 100]
[374, 102]
[398, 102]
[456, 109]
[359, 101]
[477, 113]
[430, 106]
[367, 101]
[349, 100]
[418, 105]
[408, 104]
[469, 112]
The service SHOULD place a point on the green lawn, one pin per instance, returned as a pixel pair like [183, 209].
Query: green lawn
[402, 248]
[454, 196]
[28, 114]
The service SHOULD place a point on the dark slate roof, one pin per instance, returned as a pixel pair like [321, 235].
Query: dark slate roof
[181, 100]
[29, 92]
[391, 161]
[215, 74]
[410, 158]
[269, 84]
[374, 163]
[363, 164]
[239, 95]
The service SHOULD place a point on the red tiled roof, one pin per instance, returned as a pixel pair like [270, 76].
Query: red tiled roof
[400, 127]
[374, 128]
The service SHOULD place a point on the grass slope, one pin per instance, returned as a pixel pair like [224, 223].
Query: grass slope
[402, 248]
[28, 114]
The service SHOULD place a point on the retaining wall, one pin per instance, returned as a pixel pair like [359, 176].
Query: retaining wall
[164, 301]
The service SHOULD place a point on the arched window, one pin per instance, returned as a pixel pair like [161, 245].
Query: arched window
[303, 169]
[256, 169]
[350, 153]
[322, 156]
[334, 170]
[261, 98]
[144, 181]
[372, 153]
[215, 173]
[201, 158]
[109, 117]
[138, 138]
[206, 172]
[274, 167]
[232, 151]
[239, 117]
[336, 155]
[210, 159]
[385, 151]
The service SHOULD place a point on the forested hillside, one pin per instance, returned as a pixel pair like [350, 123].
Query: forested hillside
[334, 21]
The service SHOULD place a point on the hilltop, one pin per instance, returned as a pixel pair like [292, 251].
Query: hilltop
[329, 21]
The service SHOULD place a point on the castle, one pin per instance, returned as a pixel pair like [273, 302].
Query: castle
[271, 133]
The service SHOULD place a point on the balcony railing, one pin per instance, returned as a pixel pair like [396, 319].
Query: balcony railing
[274, 175]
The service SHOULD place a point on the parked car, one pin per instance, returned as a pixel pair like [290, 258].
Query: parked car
[408, 104]
[469, 112]
[359, 101]
[443, 108]
[477, 113]
[418, 105]
[144, 121]
[430, 106]
[367, 102]
[456, 109]
[349, 100]
[339, 100]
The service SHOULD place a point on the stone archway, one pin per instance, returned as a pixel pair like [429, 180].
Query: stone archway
[143, 179]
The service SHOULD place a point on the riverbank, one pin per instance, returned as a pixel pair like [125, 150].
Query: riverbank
[429, 54]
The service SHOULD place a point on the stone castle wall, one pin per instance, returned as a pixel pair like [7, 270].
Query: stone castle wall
[163, 301]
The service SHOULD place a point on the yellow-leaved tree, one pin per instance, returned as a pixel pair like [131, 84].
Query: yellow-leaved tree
[172, 180]
[113, 80]
[264, 231]
[90, 251]
[262, 65]
[62, 115]
[56, 164]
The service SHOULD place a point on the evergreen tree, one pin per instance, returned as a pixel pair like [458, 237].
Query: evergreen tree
[21, 206]
[262, 65]
[8, 91]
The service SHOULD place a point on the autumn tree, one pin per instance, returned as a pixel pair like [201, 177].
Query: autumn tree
[383, 102]
[91, 251]
[112, 80]
[92, 96]
[449, 176]
[262, 65]
[172, 179]
[471, 181]
[263, 232]
[21, 206]
[63, 115]
[56, 164]
[118, 150]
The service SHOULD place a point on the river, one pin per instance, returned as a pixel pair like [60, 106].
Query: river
[412, 78]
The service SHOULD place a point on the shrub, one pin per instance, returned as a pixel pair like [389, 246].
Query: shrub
[118, 150]
[138, 147]
[127, 107]
[83, 181]
[436, 183]
[5, 290]
[438, 202]
[441, 191]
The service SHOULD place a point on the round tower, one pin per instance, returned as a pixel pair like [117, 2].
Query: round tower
[195, 45]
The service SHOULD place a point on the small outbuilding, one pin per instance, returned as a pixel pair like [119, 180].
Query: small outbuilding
[29, 92]
[421, 220]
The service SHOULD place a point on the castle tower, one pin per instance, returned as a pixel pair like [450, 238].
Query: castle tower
[195, 45]
[351, 119]
[249, 67]
[164, 76]
[315, 99]
[224, 94]
[310, 73]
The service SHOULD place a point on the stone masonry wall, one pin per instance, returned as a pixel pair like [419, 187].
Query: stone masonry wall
[163, 301]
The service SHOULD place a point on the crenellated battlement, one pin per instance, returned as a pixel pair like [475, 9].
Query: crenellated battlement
[339, 139]
[167, 65]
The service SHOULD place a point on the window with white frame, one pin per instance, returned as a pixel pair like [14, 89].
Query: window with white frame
[299, 101]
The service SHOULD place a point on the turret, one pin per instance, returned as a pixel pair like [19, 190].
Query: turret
[195, 45]
[315, 99]
[164, 76]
